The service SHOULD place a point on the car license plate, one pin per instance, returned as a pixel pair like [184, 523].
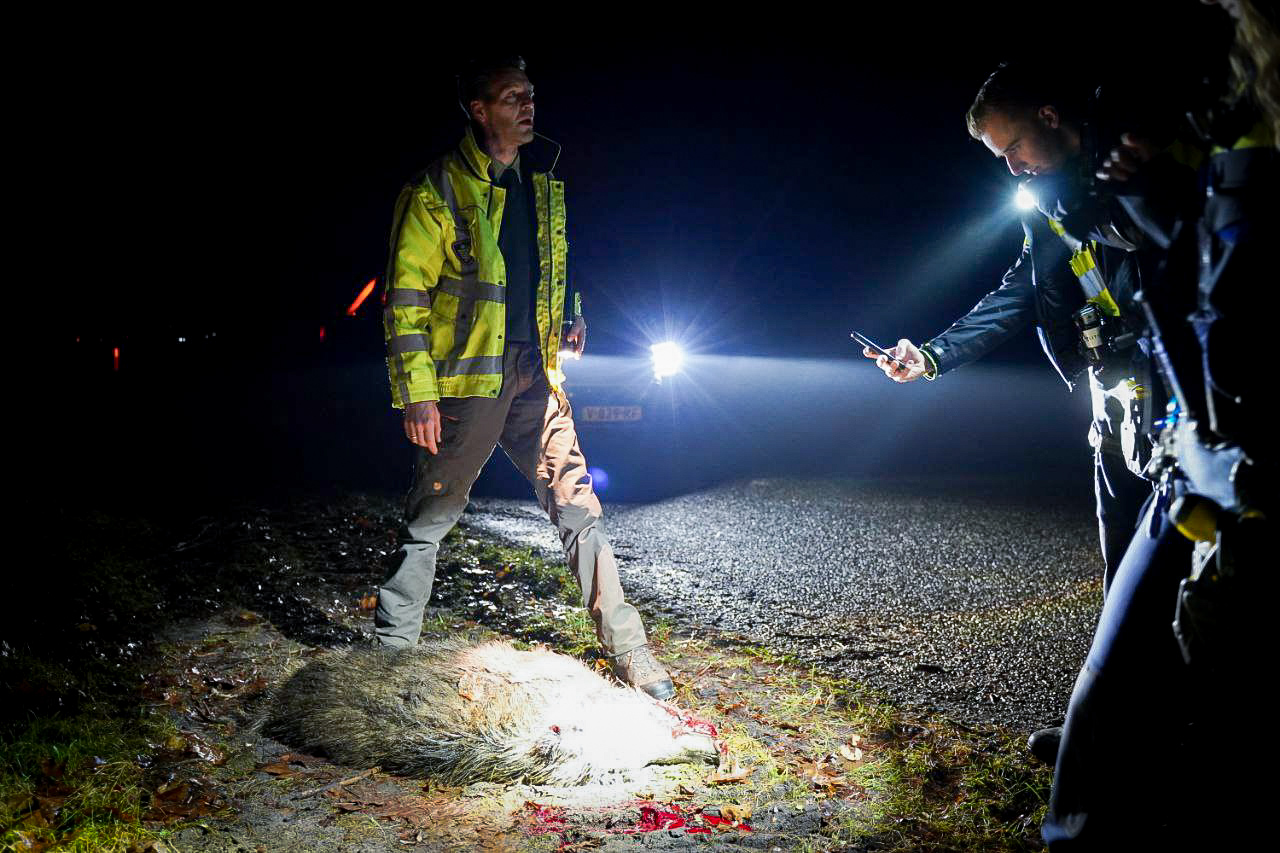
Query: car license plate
[610, 414]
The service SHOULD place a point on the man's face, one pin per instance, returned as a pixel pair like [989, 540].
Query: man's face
[507, 117]
[1031, 144]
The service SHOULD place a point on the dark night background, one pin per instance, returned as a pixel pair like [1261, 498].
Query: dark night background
[754, 188]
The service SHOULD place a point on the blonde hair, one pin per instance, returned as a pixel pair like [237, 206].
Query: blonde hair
[1255, 64]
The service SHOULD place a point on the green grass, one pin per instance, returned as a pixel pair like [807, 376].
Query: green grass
[547, 578]
[928, 784]
[85, 770]
[924, 784]
[569, 631]
[557, 617]
[956, 789]
[940, 787]
[76, 742]
[659, 630]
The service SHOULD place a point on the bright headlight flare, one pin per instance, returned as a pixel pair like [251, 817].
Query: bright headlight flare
[668, 359]
[1023, 199]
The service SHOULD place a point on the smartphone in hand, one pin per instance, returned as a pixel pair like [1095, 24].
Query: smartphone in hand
[875, 348]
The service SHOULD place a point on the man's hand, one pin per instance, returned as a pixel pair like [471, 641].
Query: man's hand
[912, 367]
[575, 340]
[422, 425]
[1124, 161]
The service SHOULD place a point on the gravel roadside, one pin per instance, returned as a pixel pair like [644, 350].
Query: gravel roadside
[975, 600]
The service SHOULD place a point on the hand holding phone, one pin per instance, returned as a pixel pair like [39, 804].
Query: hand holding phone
[876, 348]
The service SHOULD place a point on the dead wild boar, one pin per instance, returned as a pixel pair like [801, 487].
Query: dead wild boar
[464, 712]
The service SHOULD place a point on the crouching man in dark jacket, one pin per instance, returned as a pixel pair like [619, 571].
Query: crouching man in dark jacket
[1077, 293]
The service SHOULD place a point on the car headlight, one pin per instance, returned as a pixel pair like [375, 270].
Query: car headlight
[668, 359]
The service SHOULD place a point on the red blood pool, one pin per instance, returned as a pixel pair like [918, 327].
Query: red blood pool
[653, 819]
[547, 818]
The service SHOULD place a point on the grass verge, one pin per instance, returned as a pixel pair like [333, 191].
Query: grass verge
[920, 783]
[90, 765]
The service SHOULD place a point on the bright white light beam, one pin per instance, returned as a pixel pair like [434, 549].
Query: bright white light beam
[1023, 198]
[668, 359]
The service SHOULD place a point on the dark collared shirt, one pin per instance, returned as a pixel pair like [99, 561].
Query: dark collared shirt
[518, 242]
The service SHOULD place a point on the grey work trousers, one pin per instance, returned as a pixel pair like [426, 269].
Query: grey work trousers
[534, 426]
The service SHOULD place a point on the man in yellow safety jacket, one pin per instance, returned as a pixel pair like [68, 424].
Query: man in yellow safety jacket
[476, 294]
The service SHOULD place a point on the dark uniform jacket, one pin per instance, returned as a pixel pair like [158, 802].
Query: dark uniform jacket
[1041, 290]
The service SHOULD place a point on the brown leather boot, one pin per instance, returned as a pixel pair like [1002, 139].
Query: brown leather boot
[641, 669]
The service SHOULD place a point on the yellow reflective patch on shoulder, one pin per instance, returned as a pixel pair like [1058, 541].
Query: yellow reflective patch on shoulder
[1259, 136]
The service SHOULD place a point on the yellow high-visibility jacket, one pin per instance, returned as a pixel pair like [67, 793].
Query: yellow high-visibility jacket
[445, 286]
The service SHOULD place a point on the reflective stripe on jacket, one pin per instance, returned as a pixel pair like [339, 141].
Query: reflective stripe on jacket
[445, 285]
[1044, 287]
[1039, 289]
[1084, 265]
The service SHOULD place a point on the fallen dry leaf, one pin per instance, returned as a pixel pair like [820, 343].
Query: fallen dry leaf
[206, 752]
[50, 805]
[816, 773]
[365, 795]
[733, 774]
[53, 769]
[173, 791]
[19, 803]
[152, 846]
[27, 841]
[278, 768]
[851, 753]
[421, 812]
[735, 812]
[183, 799]
[281, 766]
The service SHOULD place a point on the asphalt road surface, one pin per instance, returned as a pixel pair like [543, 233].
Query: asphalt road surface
[972, 599]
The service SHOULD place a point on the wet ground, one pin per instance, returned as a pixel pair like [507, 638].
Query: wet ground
[274, 798]
[130, 717]
[973, 599]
